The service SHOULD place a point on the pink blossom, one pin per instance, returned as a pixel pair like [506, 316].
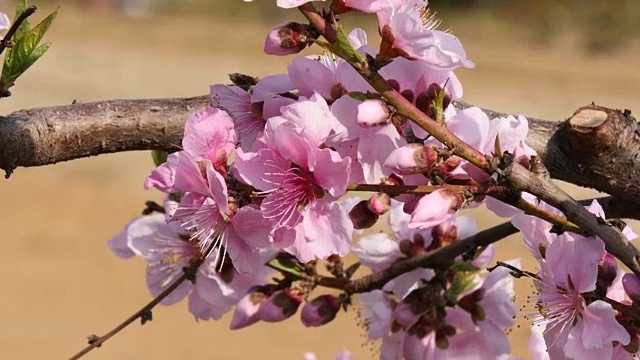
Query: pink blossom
[300, 181]
[168, 251]
[410, 28]
[199, 173]
[574, 327]
[376, 311]
[314, 74]
[236, 102]
[270, 86]
[537, 347]
[379, 251]
[497, 303]
[5, 22]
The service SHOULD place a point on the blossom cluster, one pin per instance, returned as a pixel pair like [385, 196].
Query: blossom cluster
[257, 190]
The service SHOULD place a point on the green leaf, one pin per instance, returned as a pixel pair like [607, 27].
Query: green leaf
[464, 266]
[26, 49]
[24, 27]
[327, 46]
[351, 270]
[346, 50]
[461, 283]
[286, 265]
[41, 29]
[362, 96]
[159, 157]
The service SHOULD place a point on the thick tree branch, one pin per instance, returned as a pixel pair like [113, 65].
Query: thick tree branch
[596, 147]
[43, 136]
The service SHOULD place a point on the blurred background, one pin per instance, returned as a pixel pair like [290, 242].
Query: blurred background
[61, 283]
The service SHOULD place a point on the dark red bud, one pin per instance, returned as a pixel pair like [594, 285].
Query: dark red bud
[361, 216]
[320, 310]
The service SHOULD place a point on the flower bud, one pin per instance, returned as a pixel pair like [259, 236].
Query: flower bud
[361, 216]
[379, 203]
[287, 39]
[435, 208]
[607, 270]
[471, 304]
[339, 7]
[372, 113]
[444, 234]
[407, 94]
[248, 306]
[426, 100]
[320, 310]
[411, 159]
[631, 285]
[279, 306]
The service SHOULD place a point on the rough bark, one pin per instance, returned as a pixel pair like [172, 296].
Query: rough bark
[596, 147]
[44, 136]
[601, 155]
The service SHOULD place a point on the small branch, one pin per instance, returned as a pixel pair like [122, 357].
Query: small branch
[143, 313]
[402, 105]
[394, 190]
[6, 40]
[616, 243]
[630, 311]
[151, 207]
[441, 257]
[325, 29]
[616, 208]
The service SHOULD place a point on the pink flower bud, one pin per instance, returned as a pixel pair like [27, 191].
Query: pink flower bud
[631, 285]
[607, 270]
[287, 39]
[279, 306]
[435, 208]
[379, 203]
[411, 159]
[320, 310]
[248, 306]
[372, 113]
[362, 217]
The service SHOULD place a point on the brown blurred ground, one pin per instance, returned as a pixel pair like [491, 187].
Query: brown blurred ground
[61, 283]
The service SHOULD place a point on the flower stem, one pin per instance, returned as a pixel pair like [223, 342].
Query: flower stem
[96, 342]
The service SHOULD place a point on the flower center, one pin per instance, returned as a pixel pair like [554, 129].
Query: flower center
[294, 190]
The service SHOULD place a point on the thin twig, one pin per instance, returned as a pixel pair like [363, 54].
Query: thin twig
[97, 341]
[436, 258]
[546, 190]
[6, 40]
